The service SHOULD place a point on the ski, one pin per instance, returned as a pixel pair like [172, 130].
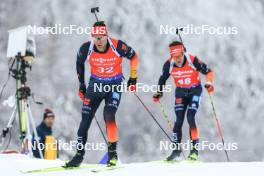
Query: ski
[191, 161]
[96, 168]
[59, 168]
[176, 161]
[106, 168]
[167, 162]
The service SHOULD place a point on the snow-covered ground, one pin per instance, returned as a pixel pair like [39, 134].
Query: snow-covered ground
[13, 164]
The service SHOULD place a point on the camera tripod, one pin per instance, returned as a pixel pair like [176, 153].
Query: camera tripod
[22, 109]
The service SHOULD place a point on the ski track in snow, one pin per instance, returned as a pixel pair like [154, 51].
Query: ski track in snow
[12, 164]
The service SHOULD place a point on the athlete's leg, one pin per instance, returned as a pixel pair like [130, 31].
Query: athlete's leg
[180, 109]
[191, 113]
[90, 105]
[112, 101]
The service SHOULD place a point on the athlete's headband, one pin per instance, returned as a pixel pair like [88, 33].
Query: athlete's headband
[176, 50]
[99, 31]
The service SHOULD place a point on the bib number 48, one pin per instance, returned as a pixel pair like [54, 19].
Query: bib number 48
[184, 81]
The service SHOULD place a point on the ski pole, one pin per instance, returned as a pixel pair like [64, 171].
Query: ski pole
[102, 133]
[153, 117]
[168, 121]
[219, 130]
[165, 115]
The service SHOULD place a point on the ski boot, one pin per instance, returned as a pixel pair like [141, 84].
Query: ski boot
[175, 153]
[112, 155]
[193, 156]
[75, 161]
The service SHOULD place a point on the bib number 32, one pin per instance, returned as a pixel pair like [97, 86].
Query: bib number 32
[106, 70]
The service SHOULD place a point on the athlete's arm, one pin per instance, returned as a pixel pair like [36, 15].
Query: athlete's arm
[204, 69]
[164, 76]
[126, 51]
[162, 81]
[80, 62]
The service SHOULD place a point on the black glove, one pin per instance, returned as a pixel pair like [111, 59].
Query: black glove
[82, 91]
[131, 84]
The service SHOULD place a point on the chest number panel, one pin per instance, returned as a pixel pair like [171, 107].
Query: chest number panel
[105, 69]
[184, 81]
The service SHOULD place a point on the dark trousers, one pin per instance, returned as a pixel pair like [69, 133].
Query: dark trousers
[187, 102]
[93, 99]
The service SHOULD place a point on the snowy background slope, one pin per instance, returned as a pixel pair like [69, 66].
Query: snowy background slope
[14, 164]
[236, 59]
